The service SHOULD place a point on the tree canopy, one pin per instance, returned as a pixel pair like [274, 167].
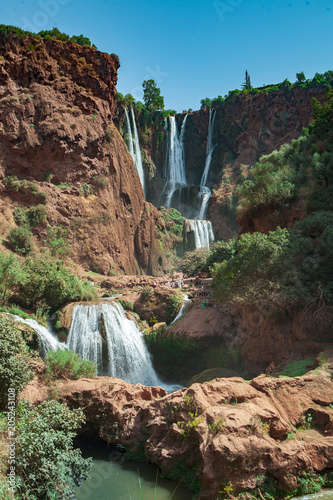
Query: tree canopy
[152, 96]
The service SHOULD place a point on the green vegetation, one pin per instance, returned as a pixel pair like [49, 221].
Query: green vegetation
[247, 84]
[322, 80]
[152, 96]
[47, 465]
[217, 426]
[46, 35]
[15, 371]
[20, 240]
[48, 283]
[67, 364]
[42, 283]
[286, 269]
[267, 186]
[299, 368]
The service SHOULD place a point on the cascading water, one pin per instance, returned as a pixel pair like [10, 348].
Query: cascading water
[129, 138]
[47, 340]
[203, 233]
[134, 145]
[203, 230]
[209, 148]
[181, 310]
[104, 335]
[137, 152]
[174, 170]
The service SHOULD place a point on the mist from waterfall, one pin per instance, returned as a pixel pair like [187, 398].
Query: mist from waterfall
[134, 145]
[174, 170]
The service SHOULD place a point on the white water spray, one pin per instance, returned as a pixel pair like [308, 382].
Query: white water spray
[104, 335]
[47, 340]
[203, 230]
[134, 145]
[175, 165]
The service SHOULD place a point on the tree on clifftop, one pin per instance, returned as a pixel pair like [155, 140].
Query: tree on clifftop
[152, 96]
[247, 84]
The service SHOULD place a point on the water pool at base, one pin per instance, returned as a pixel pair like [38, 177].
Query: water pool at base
[113, 480]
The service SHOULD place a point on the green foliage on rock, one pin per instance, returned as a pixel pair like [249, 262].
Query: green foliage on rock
[20, 240]
[49, 283]
[67, 364]
[54, 33]
[47, 465]
[260, 272]
[15, 372]
[266, 186]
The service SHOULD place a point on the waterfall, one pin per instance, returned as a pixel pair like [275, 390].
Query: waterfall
[129, 141]
[181, 311]
[209, 148]
[104, 335]
[137, 152]
[203, 230]
[203, 233]
[47, 340]
[174, 170]
[134, 145]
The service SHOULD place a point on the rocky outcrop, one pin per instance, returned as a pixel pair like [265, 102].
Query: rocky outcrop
[254, 340]
[58, 140]
[219, 434]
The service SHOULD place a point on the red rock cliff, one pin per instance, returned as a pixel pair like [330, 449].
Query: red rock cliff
[56, 131]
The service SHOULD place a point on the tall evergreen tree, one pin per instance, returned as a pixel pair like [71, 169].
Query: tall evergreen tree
[247, 84]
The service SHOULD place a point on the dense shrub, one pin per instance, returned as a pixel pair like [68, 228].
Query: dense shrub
[267, 186]
[47, 281]
[147, 293]
[261, 272]
[67, 364]
[47, 466]
[20, 240]
[20, 216]
[15, 371]
[37, 214]
[195, 261]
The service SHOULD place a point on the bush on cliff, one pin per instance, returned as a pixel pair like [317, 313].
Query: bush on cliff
[47, 465]
[20, 240]
[261, 272]
[48, 283]
[15, 372]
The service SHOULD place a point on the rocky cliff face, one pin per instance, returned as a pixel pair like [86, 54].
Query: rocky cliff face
[57, 138]
[264, 435]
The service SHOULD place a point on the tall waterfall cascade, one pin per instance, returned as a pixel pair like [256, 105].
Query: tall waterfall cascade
[174, 169]
[134, 145]
[202, 228]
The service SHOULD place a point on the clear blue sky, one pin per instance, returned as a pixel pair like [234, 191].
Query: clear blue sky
[193, 48]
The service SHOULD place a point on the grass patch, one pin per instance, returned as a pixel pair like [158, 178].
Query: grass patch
[299, 368]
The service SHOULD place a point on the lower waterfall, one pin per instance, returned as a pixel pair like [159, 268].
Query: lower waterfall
[46, 339]
[104, 335]
[203, 232]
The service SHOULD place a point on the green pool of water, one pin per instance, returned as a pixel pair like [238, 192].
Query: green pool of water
[113, 480]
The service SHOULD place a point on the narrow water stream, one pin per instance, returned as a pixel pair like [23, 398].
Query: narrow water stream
[113, 480]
